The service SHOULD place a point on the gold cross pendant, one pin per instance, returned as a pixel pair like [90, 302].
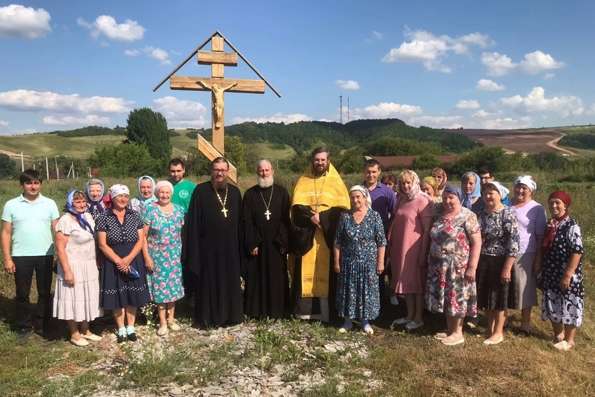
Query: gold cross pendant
[224, 210]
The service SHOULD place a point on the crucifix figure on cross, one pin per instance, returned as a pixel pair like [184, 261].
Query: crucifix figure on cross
[217, 58]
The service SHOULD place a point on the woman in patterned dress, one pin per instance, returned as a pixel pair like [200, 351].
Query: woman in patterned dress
[163, 227]
[121, 238]
[359, 259]
[452, 262]
[562, 272]
[499, 248]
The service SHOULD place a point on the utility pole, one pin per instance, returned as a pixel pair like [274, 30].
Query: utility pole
[341, 109]
[348, 119]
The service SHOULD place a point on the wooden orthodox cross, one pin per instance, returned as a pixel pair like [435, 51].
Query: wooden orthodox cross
[217, 85]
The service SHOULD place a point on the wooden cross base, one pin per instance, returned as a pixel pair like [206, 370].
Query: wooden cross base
[211, 153]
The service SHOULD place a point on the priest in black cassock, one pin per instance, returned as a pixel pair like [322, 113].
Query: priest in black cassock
[212, 253]
[266, 238]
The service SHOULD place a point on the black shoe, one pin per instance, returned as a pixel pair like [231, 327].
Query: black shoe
[132, 337]
[121, 338]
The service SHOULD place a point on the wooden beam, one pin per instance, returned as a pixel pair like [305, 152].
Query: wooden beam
[217, 45]
[191, 83]
[225, 58]
[211, 153]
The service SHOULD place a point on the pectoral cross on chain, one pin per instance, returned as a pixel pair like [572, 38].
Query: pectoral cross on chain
[224, 210]
[267, 214]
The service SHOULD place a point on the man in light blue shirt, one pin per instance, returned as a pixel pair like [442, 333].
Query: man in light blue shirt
[28, 246]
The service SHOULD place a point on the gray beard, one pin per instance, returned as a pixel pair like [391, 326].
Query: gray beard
[265, 182]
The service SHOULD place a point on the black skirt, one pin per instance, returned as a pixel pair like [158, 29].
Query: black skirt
[492, 293]
[117, 289]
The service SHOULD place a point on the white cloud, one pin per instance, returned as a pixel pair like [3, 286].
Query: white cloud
[536, 101]
[385, 110]
[504, 123]
[181, 113]
[538, 61]
[437, 121]
[26, 22]
[348, 85]
[28, 100]
[287, 118]
[430, 50]
[497, 64]
[158, 54]
[482, 114]
[132, 53]
[106, 25]
[377, 35]
[489, 85]
[467, 104]
[549, 76]
[3, 123]
[90, 119]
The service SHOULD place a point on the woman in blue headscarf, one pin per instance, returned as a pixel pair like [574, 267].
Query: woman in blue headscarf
[146, 195]
[471, 188]
[95, 191]
[76, 297]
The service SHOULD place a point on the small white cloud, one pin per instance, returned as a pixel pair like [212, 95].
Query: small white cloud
[3, 123]
[377, 35]
[90, 119]
[29, 100]
[489, 85]
[497, 64]
[106, 26]
[502, 123]
[549, 76]
[385, 110]
[538, 61]
[181, 113]
[467, 104]
[348, 85]
[536, 101]
[288, 118]
[158, 54]
[430, 50]
[437, 121]
[132, 53]
[482, 114]
[25, 22]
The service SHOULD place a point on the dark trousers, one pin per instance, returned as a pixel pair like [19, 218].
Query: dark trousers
[43, 267]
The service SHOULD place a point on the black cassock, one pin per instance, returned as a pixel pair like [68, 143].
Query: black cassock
[212, 255]
[267, 282]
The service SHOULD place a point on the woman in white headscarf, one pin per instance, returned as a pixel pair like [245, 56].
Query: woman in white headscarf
[359, 259]
[146, 187]
[531, 221]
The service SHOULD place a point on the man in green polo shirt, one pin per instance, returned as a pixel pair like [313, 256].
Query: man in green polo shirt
[183, 188]
[28, 246]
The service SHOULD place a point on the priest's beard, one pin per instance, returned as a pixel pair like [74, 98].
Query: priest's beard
[266, 181]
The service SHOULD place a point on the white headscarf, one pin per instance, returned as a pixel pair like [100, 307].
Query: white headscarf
[364, 191]
[502, 190]
[526, 180]
[117, 190]
[161, 184]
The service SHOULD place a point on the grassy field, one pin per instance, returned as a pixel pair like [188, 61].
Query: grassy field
[299, 358]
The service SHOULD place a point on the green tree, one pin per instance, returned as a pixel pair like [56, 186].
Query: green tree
[8, 168]
[425, 162]
[125, 160]
[149, 128]
[235, 152]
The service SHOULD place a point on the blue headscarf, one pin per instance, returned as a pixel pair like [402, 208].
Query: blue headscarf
[96, 207]
[451, 189]
[469, 198]
[80, 217]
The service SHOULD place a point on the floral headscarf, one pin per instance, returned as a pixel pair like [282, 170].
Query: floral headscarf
[415, 188]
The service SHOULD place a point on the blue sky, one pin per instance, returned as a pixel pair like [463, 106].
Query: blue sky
[500, 64]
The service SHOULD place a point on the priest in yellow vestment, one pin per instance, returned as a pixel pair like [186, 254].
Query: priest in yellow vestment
[319, 197]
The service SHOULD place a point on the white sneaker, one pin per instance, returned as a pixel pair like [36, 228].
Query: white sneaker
[368, 329]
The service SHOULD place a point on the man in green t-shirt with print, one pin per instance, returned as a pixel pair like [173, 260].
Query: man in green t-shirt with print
[183, 188]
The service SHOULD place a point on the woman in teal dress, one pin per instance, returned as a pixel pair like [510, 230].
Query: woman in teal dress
[359, 259]
[163, 227]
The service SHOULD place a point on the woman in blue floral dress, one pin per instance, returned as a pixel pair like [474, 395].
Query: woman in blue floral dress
[562, 273]
[359, 259]
[163, 227]
[454, 252]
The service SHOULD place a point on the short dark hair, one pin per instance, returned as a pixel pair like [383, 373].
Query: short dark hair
[389, 178]
[484, 170]
[176, 161]
[320, 149]
[30, 175]
[372, 163]
[219, 159]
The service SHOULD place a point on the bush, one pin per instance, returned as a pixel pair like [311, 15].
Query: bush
[492, 158]
[425, 162]
[126, 159]
[8, 168]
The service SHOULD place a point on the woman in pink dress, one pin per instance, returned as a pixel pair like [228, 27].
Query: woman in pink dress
[408, 246]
